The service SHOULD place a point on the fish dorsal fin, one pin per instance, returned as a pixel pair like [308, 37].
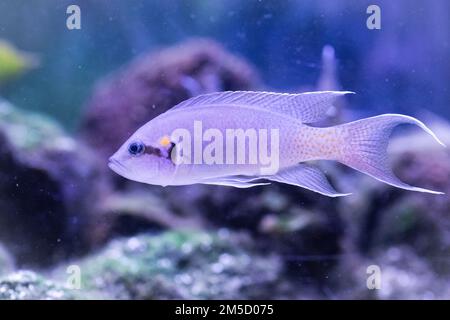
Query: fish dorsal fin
[307, 107]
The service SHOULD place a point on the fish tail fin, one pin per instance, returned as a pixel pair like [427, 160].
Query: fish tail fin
[366, 143]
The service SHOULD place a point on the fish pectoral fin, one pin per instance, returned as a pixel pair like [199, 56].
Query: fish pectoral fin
[308, 177]
[235, 181]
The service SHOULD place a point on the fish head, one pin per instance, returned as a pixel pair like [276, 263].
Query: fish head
[145, 158]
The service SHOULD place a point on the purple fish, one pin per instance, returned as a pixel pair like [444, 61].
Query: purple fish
[244, 139]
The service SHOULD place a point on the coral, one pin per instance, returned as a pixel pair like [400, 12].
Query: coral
[27, 285]
[182, 265]
[169, 265]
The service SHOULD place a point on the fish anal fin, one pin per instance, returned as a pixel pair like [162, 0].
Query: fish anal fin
[308, 177]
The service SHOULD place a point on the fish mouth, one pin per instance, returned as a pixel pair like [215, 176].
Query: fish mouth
[116, 166]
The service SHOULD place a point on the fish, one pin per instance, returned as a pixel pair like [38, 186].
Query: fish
[162, 151]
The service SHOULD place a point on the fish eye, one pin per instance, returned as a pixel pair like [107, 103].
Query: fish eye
[136, 148]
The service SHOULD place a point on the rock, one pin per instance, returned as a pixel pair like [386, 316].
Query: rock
[420, 220]
[154, 83]
[298, 225]
[182, 265]
[380, 216]
[407, 276]
[49, 188]
[27, 285]
[292, 222]
[168, 265]
[401, 273]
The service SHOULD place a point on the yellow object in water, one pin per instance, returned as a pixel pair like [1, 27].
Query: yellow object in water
[13, 61]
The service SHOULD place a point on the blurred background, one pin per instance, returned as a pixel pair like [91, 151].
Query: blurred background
[69, 98]
[407, 59]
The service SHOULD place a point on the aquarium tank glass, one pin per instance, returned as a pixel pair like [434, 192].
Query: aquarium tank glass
[201, 150]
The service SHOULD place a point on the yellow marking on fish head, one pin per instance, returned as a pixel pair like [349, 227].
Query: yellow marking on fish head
[164, 141]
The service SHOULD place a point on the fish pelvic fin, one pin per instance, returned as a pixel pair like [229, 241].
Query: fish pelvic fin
[364, 146]
[235, 181]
